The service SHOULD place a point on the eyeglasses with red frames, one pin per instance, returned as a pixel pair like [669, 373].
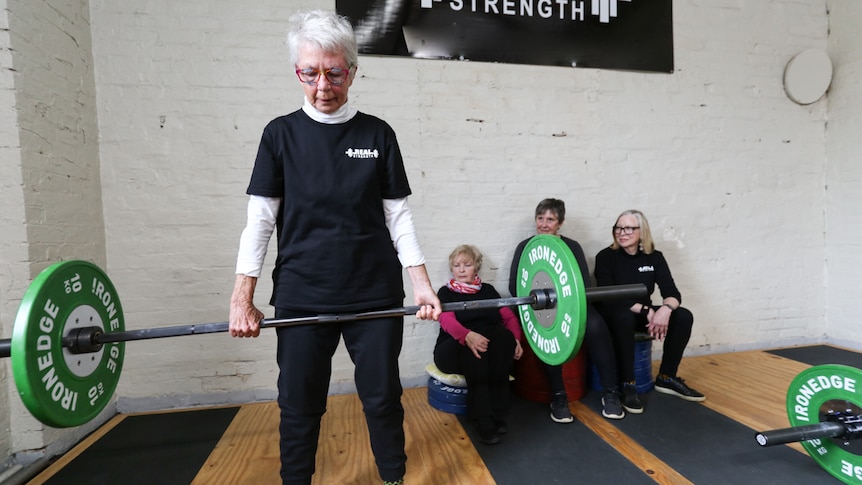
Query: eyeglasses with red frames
[335, 75]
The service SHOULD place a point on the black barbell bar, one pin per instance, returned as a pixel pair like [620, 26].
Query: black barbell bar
[846, 427]
[538, 299]
[91, 339]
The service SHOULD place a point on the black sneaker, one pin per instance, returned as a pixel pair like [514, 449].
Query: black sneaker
[611, 407]
[500, 426]
[488, 437]
[676, 386]
[631, 401]
[486, 432]
[560, 408]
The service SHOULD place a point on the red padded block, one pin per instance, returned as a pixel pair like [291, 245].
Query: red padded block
[531, 382]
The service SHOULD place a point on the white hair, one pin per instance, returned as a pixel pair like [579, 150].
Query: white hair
[324, 30]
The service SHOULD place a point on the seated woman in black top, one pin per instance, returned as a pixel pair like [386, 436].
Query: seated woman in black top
[550, 214]
[480, 344]
[632, 258]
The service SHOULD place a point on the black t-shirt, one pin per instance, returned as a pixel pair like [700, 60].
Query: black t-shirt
[335, 253]
[617, 267]
[479, 320]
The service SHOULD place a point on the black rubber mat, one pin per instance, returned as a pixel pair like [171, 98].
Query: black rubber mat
[709, 448]
[537, 451]
[166, 449]
[820, 355]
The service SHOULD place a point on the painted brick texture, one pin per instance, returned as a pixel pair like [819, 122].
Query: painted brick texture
[729, 170]
[750, 196]
[844, 174]
[51, 190]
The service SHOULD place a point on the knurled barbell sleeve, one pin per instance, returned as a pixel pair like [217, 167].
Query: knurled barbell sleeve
[826, 429]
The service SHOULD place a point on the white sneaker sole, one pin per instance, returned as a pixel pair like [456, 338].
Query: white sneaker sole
[671, 392]
[612, 416]
[633, 410]
[562, 420]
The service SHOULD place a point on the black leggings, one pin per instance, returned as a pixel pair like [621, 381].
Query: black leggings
[600, 349]
[305, 363]
[487, 378]
[623, 324]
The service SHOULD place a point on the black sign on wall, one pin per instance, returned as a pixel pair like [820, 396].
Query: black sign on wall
[607, 34]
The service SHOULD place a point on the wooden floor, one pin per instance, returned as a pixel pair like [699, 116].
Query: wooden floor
[438, 449]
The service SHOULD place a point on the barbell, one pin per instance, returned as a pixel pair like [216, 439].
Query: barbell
[823, 407]
[68, 339]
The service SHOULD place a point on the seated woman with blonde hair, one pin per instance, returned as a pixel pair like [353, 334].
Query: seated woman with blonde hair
[480, 344]
[632, 258]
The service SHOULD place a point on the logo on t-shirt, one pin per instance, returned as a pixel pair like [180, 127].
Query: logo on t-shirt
[362, 152]
[646, 269]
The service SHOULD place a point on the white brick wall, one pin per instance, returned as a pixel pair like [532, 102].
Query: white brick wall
[12, 241]
[844, 174]
[728, 169]
[700, 151]
[730, 172]
[51, 192]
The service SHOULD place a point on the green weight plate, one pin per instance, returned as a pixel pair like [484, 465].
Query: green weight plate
[555, 334]
[59, 388]
[810, 396]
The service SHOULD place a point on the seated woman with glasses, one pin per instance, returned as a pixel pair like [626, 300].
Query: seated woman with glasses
[632, 258]
[480, 344]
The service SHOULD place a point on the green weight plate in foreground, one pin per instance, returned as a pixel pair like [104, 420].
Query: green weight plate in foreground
[62, 389]
[555, 334]
[813, 393]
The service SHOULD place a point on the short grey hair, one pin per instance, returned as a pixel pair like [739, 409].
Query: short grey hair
[557, 206]
[324, 30]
